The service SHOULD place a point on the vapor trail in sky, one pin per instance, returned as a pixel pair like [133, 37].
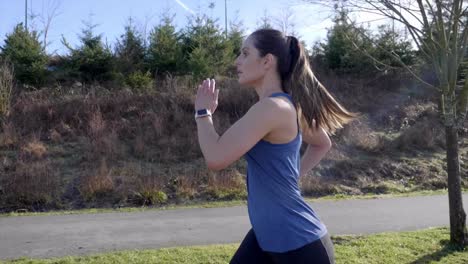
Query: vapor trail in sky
[185, 7]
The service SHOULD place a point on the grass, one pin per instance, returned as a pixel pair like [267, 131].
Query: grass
[215, 204]
[131, 209]
[427, 246]
[415, 247]
[338, 197]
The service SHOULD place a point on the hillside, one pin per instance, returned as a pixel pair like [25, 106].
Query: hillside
[87, 146]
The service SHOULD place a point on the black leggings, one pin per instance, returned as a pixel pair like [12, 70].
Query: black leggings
[317, 252]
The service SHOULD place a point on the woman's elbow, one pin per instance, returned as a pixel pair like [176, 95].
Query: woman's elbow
[324, 147]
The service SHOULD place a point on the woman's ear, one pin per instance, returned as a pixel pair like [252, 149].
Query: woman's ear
[269, 61]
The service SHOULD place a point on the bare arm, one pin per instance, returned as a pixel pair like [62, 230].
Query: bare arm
[319, 144]
[221, 151]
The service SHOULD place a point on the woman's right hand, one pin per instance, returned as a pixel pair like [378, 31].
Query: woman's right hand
[207, 96]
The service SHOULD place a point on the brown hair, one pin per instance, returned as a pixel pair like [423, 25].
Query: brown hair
[311, 98]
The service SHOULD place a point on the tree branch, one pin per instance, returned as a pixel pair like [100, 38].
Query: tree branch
[393, 55]
[463, 40]
[462, 105]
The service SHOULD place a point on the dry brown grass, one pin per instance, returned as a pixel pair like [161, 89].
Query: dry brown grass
[196, 182]
[157, 122]
[97, 126]
[358, 134]
[226, 185]
[104, 140]
[8, 135]
[33, 150]
[6, 87]
[424, 134]
[175, 84]
[150, 189]
[97, 184]
[162, 122]
[33, 185]
[313, 185]
[55, 136]
[186, 187]
[156, 130]
[139, 146]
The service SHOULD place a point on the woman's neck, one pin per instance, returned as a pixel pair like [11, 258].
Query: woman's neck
[268, 86]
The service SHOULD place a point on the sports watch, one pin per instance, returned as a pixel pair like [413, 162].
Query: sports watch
[202, 113]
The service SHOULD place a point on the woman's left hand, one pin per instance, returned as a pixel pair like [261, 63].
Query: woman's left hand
[207, 96]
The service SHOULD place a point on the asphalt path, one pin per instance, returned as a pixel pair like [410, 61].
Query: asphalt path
[82, 234]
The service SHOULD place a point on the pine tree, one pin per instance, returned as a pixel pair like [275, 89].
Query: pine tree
[92, 61]
[130, 50]
[207, 50]
[24, 50]
[164, 51]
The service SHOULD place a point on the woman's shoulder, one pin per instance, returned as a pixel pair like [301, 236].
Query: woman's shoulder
[279, 103]
[279, 106]
[274, 111]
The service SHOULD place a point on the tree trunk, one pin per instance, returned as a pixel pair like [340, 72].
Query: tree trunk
[458, 233]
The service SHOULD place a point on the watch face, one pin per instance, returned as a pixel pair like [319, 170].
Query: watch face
[202, 112]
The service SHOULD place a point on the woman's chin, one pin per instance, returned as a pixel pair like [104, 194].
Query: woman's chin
[241, 81]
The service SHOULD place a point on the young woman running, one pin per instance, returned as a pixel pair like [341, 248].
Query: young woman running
[293, 107]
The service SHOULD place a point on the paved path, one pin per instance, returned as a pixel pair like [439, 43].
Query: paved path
[52, 236]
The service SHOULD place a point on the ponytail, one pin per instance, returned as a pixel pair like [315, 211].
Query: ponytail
[313, 100]
[316, 106]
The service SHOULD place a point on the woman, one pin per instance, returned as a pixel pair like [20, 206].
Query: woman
[292, 106]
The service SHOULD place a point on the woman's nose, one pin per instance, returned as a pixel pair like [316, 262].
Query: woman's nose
[236, 62]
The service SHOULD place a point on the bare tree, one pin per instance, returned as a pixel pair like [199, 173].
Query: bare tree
[439, 29]
[41, 21]
[31, 16]
[285, 21]
[264, 21]
[211, 6]
[50, 10]
[144, 27]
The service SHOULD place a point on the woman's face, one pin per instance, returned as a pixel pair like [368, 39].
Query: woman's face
[249, 64]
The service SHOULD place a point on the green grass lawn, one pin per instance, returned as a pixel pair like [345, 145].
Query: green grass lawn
[426, 246]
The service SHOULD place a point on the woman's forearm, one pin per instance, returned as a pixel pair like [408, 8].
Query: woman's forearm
[312, 157]
[207, 138]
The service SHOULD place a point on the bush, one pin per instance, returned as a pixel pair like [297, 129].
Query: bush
[149, 189]
[150, 197]
[139, 81]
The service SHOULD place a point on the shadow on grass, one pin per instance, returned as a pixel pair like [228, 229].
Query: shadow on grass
[448, 249]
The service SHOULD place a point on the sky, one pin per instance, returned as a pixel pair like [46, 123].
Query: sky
[110, 16]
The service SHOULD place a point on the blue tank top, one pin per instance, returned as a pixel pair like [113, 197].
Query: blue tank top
[280, 218]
